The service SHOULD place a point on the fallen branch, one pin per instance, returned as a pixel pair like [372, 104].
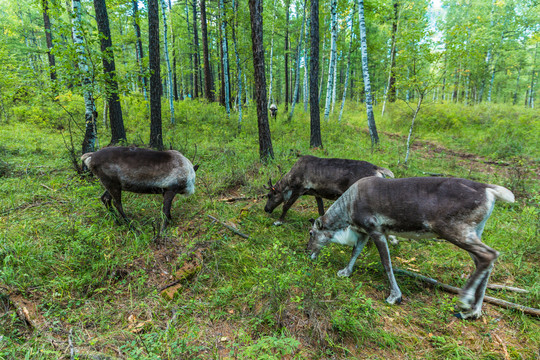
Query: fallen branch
[242, 198]
[487, 299]
[509, 288]
[229, 227]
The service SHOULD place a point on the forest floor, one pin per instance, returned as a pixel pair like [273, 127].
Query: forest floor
[77, 283]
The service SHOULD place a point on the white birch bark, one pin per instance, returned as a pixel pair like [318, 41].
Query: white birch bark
[334, 86]
[225, 57]
[306, 62]
[297, 76]
[89, 142]
[348, 65]
[239, 70]
[333, 58]
[169, 70]
[365, 71]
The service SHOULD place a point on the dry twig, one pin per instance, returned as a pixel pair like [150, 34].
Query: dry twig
[229, 227]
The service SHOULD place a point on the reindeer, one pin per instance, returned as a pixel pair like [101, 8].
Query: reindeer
[322, 178]
[142, 171]
[450, 208]
[273, 111]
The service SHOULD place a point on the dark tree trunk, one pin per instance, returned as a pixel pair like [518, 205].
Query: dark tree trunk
[156, 137]
[265, 141]
[315, 137]
[208, 88]
[175, 82]
[111, 85]
[48, 37]
[287, 55]
[196, 58]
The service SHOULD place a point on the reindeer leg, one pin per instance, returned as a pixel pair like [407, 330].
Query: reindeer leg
[320, 205]
[286, 207]
[347, 271]
[106, 198]
[472, 294]
[380, 241]
[168, 197]
[116, 194]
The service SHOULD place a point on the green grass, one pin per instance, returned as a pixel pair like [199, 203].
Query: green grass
[92, 280]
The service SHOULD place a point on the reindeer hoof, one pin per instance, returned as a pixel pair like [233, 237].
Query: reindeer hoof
[467, 316]
[394, 300]
[278, 223]
[344, 273]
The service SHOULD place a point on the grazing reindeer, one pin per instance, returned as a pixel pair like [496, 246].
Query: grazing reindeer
[141, 171]
[322, 178]
[450, 208]
[273, 111]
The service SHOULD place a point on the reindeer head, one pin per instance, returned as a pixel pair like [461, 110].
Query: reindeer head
[275, 196]
[319, 237]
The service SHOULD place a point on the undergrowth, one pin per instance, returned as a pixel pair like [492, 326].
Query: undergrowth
[93, 284]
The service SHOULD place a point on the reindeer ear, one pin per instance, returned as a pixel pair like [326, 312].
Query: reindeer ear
[312, 221]
[319, 224]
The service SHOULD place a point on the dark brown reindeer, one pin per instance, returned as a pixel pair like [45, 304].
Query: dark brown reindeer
[141, 171]
[273, 111]
[450, 208]
[322, 178]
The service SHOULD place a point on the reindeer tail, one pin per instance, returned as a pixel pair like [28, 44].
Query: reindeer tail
[86, 158]
[501, 193]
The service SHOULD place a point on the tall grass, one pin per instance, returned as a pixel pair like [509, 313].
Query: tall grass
[92, 276]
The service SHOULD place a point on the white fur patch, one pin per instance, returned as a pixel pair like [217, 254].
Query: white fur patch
[345, 237]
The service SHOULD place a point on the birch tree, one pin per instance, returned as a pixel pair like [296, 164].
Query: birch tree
[238, 67]
[48, 37]
[333, 58]
[208, 85]
[169, 70]
[225, 57]
[351, 20]
[365, 74]
[90, 114]
[298, 53]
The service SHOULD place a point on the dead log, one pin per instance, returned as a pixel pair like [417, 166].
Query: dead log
[487, 299]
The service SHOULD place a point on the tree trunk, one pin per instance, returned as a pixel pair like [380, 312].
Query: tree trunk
[306, 61]
[90, 115]
[139, 48]
[48, 37]
[531, 91]
[109, 68]
[515, 97]
[169, 70]
[348, 64]
[225, 57]
[238, 68]
[270, 94]
[333, 59]
[196, 62]
[315, 140]
[297, 76]
[287, 13]
[420, 98]
[265, 141]
[156, 137]
[390, 94]
[191, 55]
[365, 71]
[208, 86]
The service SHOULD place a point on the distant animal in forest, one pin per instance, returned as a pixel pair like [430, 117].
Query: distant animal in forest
[320, 177]
[273, 110]
[449, 208]
[142, 171]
